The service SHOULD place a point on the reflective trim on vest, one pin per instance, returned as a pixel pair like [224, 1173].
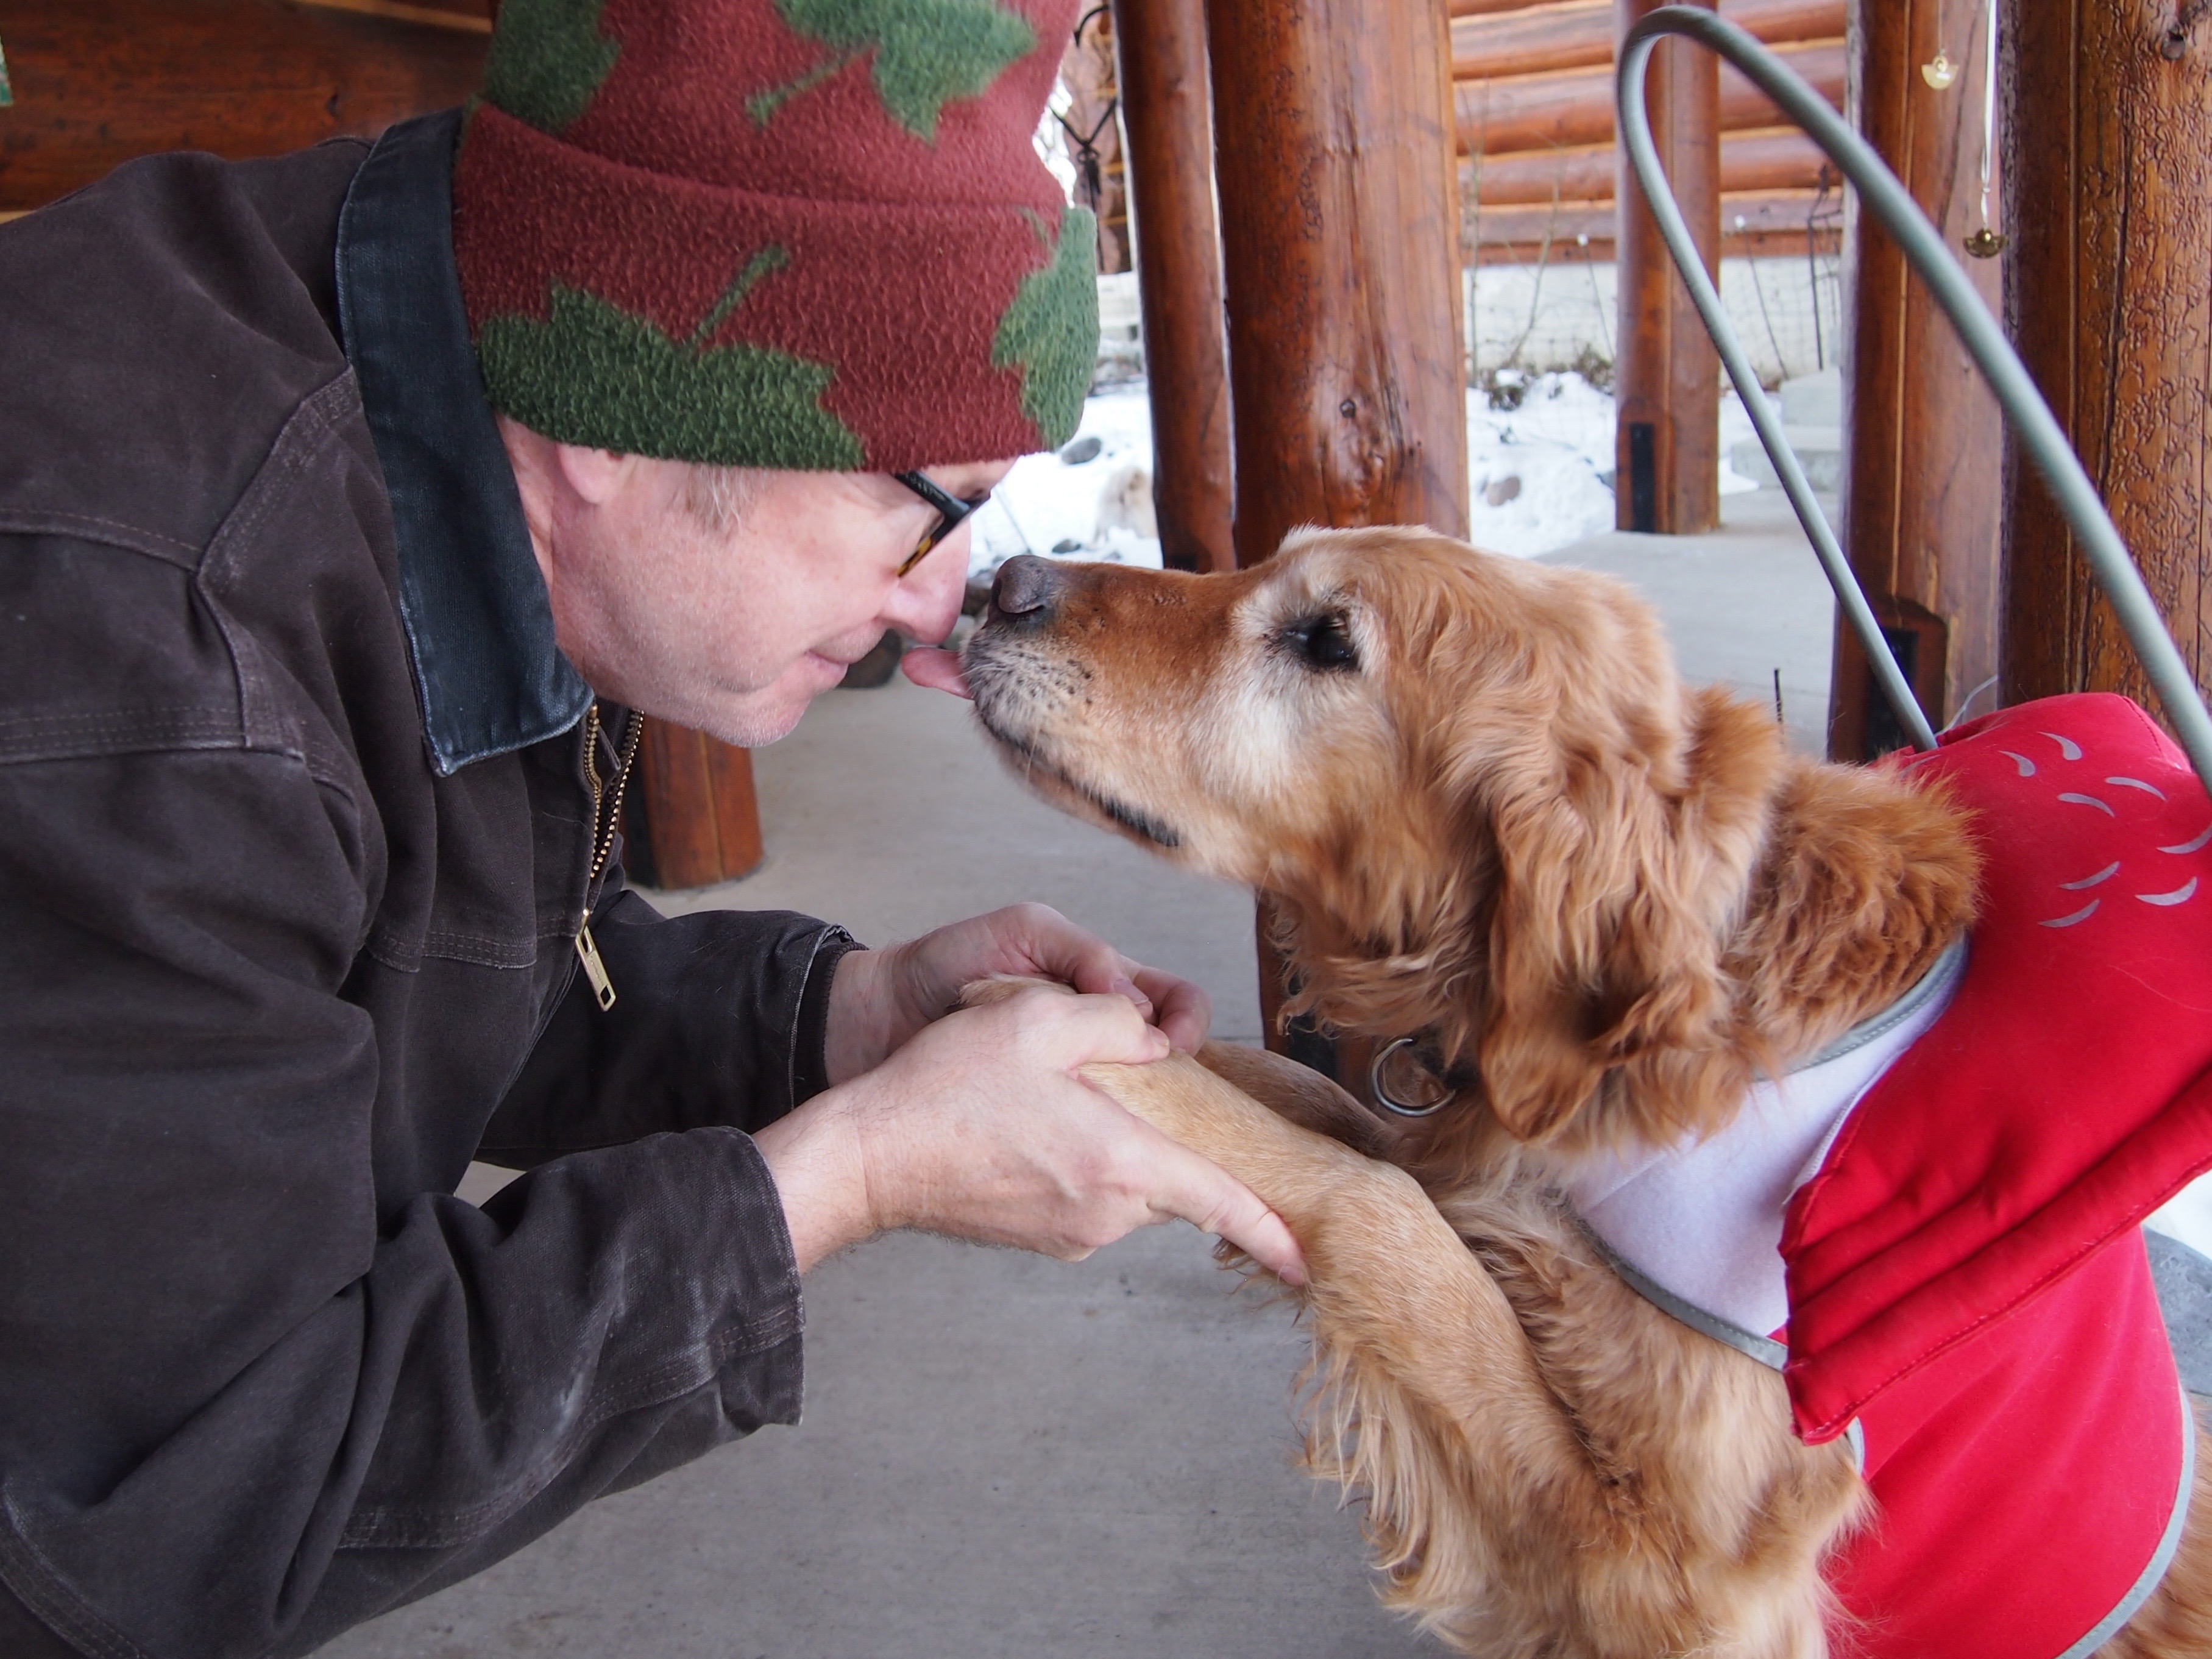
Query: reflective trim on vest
[1764, 1349]
[1941, 978]
[2161, 1558]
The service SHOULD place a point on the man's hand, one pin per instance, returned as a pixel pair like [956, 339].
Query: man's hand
[978, 1127]
[881, 998]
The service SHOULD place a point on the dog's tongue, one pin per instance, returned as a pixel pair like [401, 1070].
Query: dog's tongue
[939, 669]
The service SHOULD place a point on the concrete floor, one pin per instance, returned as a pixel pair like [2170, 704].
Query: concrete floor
[1004, 1455]
[1740, 604]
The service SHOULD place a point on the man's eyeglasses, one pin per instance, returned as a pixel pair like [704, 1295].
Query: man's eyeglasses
[950, 510]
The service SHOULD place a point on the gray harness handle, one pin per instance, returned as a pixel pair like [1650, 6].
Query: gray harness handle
[1882, 195]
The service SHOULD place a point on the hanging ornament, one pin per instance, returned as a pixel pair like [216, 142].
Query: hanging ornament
[1988, 242]
[1940, 70]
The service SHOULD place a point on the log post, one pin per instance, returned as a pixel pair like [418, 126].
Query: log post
[1339, 239]
[692, 814]
[1167, 117]
[1924, 439]
[1667, 377]
[2108, 298]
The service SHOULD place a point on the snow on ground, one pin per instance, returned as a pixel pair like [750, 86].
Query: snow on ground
[1540, 477]
[1540, 474]
[1046, 502]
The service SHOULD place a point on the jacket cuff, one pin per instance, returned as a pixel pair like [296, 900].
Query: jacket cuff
[809, 1037]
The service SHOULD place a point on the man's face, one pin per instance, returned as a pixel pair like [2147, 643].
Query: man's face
[733, 628]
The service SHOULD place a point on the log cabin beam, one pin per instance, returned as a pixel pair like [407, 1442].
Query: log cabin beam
[1924, 437]
[1551, 112]
[1775, 224]
[98, 82]
[2108, 298]
[1781, 159]
[1579, 35]
[1666, 373]
[1458, 9]
[1167, 114]
[1341, 261]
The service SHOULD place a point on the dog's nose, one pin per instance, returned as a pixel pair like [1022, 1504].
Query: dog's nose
[1027, 589]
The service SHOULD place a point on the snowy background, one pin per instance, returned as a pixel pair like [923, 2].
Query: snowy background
[1539, 476]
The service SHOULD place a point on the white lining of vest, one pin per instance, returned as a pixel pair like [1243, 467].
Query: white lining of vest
[1696, 1227]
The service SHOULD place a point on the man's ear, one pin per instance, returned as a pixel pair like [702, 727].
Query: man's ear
[595, 477]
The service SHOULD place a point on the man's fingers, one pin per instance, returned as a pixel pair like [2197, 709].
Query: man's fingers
[1211, 1199]
[1180, 1008]
[1083, 1031]
[1084, 960]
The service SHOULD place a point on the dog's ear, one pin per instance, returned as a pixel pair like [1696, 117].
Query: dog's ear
[1619, 877]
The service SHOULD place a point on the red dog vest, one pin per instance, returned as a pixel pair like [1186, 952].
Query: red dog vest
[1966, 1278]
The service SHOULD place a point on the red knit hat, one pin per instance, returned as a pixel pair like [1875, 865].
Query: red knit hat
[809, 233]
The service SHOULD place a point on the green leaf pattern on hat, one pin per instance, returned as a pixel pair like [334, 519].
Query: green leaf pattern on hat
[547, 59]
[927, 52]
[1050, 330]
[592, 373]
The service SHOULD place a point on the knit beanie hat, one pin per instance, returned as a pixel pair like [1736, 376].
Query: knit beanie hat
[801, 233]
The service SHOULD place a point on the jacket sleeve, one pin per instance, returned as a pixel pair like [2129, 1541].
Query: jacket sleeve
[240, 1408]
[719, 1017]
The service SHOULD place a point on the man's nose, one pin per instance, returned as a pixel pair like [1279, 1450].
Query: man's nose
[1027, 590]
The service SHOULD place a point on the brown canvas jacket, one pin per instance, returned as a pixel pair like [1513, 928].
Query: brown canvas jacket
[293, 844]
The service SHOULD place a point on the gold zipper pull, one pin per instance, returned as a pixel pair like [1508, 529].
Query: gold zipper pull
[595, 970]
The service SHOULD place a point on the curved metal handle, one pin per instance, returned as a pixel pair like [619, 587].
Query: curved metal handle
[1881, 194]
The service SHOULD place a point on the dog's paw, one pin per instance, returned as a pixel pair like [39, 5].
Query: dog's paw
[997, 987]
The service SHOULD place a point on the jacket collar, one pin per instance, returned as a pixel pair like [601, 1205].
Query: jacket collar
[479, 623]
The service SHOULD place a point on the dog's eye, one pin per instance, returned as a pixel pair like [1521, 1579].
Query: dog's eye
[1322, 641]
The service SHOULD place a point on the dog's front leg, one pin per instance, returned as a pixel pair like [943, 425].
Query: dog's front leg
[1302, 1095]
[1514, 1519]
[1388, 1277]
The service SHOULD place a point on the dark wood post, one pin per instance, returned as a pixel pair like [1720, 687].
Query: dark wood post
[1167, 117]
[1924, 438]
[1666, 377]
[1340, 238]
[2108, 297]
[694, 810]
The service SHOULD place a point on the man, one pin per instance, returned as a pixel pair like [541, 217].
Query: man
[318, 658]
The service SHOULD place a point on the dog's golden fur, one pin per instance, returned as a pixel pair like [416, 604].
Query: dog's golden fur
[1487, 813]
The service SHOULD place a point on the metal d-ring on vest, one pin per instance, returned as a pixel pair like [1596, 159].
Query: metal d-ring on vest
[1880, 194]
[1382, 1096]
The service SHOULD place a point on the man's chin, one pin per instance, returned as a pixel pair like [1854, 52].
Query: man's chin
[754, 720]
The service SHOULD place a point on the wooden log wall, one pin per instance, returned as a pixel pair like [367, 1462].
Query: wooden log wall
[98, 82]
[1924, 439]
[1532, 104]
[1340, 253]
[2108, 297]
[1167, 113]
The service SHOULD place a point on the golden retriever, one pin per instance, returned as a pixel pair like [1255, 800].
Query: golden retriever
[1486, 811]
